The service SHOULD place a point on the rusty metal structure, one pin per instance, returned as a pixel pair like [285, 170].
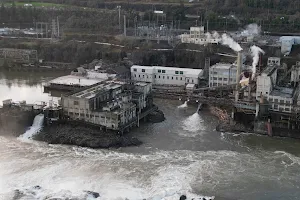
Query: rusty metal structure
[19, 55]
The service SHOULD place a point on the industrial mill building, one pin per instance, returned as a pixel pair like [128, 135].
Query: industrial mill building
[158, 75]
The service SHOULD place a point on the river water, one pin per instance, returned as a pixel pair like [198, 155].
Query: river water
[182, 155]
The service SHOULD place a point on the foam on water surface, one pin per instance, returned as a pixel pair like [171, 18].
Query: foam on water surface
[184, 105]
[194, 125]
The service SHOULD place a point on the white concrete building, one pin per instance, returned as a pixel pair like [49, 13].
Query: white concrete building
[280, 99]
[222, 74]
[158, 75]
[198, 36]
[266, 82]
[295, 73]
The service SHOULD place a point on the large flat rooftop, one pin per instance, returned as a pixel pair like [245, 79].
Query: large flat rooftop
[283, 92]
[71, 80]
[92, 92]
[222, 66]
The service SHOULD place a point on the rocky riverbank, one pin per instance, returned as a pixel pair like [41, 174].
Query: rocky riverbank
[84, 136]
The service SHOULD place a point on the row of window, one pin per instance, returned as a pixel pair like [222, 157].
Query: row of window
[276, 107]
[220, 79]
[160, 71]
[217, 84]
[163, 77]
[92, 116]
[281, 101]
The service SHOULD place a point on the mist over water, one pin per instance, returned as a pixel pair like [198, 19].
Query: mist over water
[182, 155]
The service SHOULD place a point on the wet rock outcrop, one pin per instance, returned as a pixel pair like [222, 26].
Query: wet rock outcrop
[156, 117]
[232, 127]
[84, 136]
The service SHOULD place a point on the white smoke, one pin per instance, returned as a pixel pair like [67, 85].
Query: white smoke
[251, 30]
[216, 35]
[208, 36]
[255, 51]
[224, 40]
[227, 40]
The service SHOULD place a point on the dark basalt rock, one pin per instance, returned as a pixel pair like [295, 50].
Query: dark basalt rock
[84, 136]
[156, 117]
[94, 194]
[182, 197]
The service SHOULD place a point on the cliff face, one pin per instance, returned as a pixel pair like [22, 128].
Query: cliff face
[14, 121]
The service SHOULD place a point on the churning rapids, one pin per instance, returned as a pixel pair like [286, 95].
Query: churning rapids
[182, 155]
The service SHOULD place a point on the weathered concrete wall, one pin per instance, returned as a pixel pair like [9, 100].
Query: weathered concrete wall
[260, 127]
[14, 122]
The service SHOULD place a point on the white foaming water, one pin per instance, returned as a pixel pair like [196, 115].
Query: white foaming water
[193, 123]
[34, 129]
[184, 105]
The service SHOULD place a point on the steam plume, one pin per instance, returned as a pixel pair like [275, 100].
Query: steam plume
[227, 40]
[255, 51]
[216, 35]
[251, 30]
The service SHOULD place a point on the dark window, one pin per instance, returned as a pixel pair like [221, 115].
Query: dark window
[276, 107]
[159, 71]
[220, 79]
[154, 76]
[163, 71]
[215, 78]
[139, 76]
[143, 76]
[176, 72]
[176, 78]
[192, 80]
[167, 77]
[135, 75]
[180, 78]
[158, 76]
[188, 80]
[163, 77]
[76, 103]
[172, 78]
[281, 101]
[225, 79]
[287, 109]
[147, 76]
[143, 70]
[134, 70]
[215, 72]
[181, 72]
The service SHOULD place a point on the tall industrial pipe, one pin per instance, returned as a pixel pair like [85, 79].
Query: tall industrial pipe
[238, 73]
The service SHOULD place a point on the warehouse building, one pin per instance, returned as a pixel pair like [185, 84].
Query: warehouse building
[198, 36]
[158, 75]
[110, 104]
[222, 74]
[281, 99]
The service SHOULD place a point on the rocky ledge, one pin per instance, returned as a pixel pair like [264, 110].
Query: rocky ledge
[232, 127]
[156, 117]
[84, 136]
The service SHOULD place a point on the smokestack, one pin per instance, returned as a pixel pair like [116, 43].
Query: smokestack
[238, 73]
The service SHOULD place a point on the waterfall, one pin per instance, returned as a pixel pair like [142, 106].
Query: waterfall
[183, 105]
[199, 107]
[35, 128]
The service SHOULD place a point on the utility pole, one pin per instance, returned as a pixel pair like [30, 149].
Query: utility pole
[207, 26]
[119, 8]
[58, 28]
[125, 25]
